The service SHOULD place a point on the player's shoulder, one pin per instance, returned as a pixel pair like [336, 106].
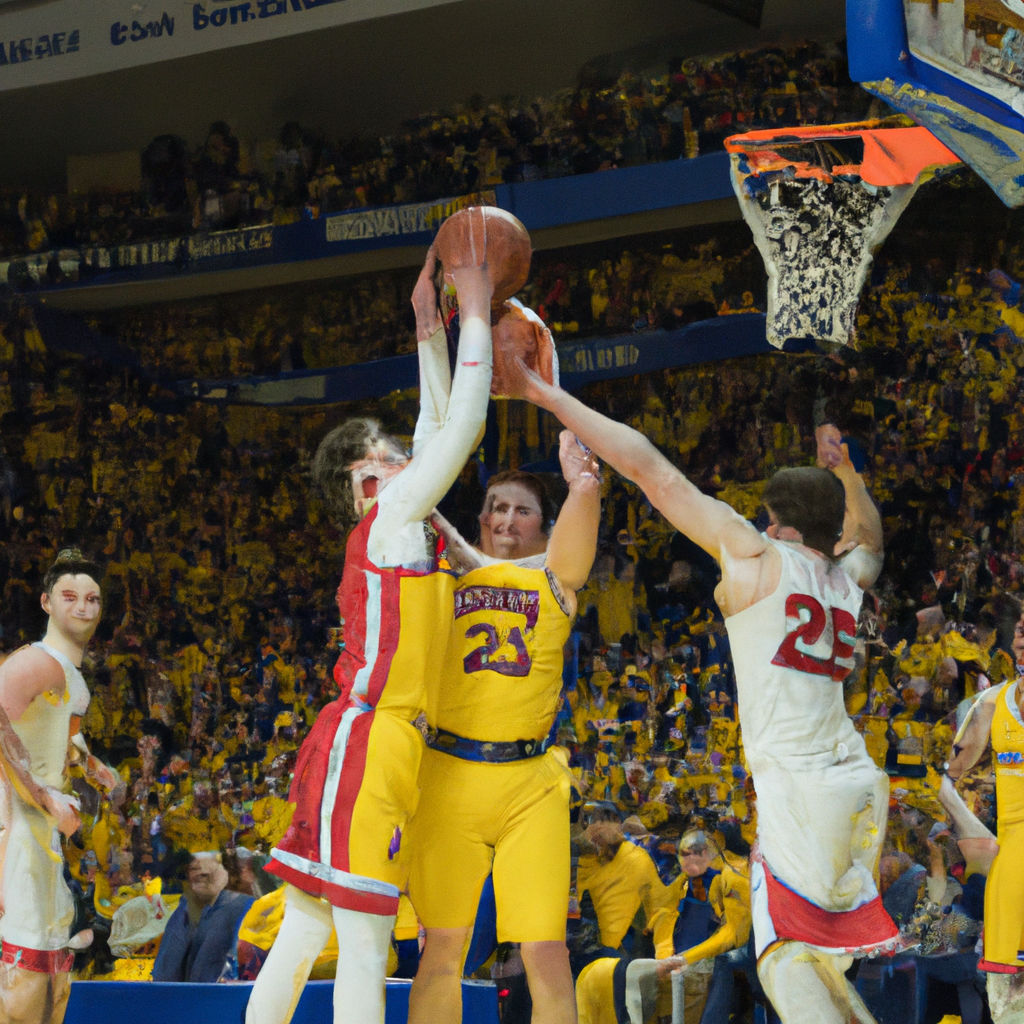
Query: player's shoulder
[862, 565]
[993, 693]
[32, 666]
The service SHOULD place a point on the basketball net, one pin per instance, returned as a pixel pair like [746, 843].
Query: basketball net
[818, 218]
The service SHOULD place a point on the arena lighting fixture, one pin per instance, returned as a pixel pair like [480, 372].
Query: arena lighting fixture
[749, 11]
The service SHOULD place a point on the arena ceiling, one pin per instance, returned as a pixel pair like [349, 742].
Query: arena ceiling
[368, 76]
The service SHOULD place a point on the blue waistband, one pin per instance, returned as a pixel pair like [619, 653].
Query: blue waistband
[493, 752]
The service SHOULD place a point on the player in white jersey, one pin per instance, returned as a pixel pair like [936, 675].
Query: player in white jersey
[42, 699]
[790, 597]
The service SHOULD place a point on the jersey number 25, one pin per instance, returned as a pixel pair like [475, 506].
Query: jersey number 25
[797, 650]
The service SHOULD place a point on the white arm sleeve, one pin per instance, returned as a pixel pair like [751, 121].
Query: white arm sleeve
[414, 492]
[435, 386]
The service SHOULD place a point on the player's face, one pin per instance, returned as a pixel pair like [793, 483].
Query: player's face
[74, 606]
[1018, 641]
[512, 523]
[371, 474]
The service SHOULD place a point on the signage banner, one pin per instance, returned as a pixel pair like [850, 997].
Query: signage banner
[67, 39]
[580, 363]
[410, 219]
[355, 231]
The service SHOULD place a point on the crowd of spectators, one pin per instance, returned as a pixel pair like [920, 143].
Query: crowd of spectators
[604, 122]
[215, 652]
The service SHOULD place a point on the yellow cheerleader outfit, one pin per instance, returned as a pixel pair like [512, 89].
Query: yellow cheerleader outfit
[1004, 891]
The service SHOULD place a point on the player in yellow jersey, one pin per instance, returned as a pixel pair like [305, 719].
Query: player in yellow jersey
[494, 799]
[997, 719]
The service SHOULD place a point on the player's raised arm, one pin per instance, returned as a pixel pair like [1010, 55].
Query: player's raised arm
[433, 469]
[432, 351]
[862, 529]
[712, 524]
[573, 542]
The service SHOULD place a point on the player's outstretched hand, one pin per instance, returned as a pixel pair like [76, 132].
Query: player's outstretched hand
[424, 299]
[832, 453]
[580, 467]
[522, 382]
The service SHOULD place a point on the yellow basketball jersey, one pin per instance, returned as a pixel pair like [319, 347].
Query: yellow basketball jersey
[502, 677]
[1008, 758]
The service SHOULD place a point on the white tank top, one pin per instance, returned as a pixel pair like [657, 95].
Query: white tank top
[791, 652]
[45, 725]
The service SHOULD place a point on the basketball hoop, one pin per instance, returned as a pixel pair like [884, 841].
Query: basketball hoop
[820, 201]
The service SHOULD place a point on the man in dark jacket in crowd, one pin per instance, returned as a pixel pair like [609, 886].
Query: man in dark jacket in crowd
[201, 932]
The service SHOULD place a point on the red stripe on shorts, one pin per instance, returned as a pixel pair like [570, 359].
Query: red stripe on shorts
[352, 771]
[42, 961]
[992, 967]
[797, 918]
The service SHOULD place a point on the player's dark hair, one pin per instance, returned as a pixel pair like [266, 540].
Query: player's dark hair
[330, 469]
[71, 562]
[810, 500]
[534, 484]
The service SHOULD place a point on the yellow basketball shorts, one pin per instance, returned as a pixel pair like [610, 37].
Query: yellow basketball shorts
[354, 790]
[509, 820]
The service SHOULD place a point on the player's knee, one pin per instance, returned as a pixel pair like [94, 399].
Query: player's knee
[545, 959]
[443, 950]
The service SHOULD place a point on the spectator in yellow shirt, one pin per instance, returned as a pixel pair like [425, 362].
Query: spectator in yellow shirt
[621, 879]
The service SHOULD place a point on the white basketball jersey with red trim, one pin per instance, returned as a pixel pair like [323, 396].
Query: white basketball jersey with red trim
[791, 652]
[821, 800]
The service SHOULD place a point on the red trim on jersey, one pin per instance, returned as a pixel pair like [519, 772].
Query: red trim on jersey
[390, 628]
[996, 968]
[42, 961]
[353, 595]
[349, 784]
[336, 895]
[802, 921]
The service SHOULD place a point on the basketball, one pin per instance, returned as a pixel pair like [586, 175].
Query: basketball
[488, 234]
[520, 332]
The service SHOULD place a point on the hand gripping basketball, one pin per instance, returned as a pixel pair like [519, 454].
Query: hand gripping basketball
[486, 236]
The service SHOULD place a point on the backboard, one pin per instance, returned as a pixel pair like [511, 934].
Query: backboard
[957, 68]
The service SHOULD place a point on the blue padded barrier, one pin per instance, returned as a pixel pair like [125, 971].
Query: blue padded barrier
[151, 1002]
[582, 361]
[876, 33]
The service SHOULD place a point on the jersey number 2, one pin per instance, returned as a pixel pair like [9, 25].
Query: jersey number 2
[479, 660]
[795, 651]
